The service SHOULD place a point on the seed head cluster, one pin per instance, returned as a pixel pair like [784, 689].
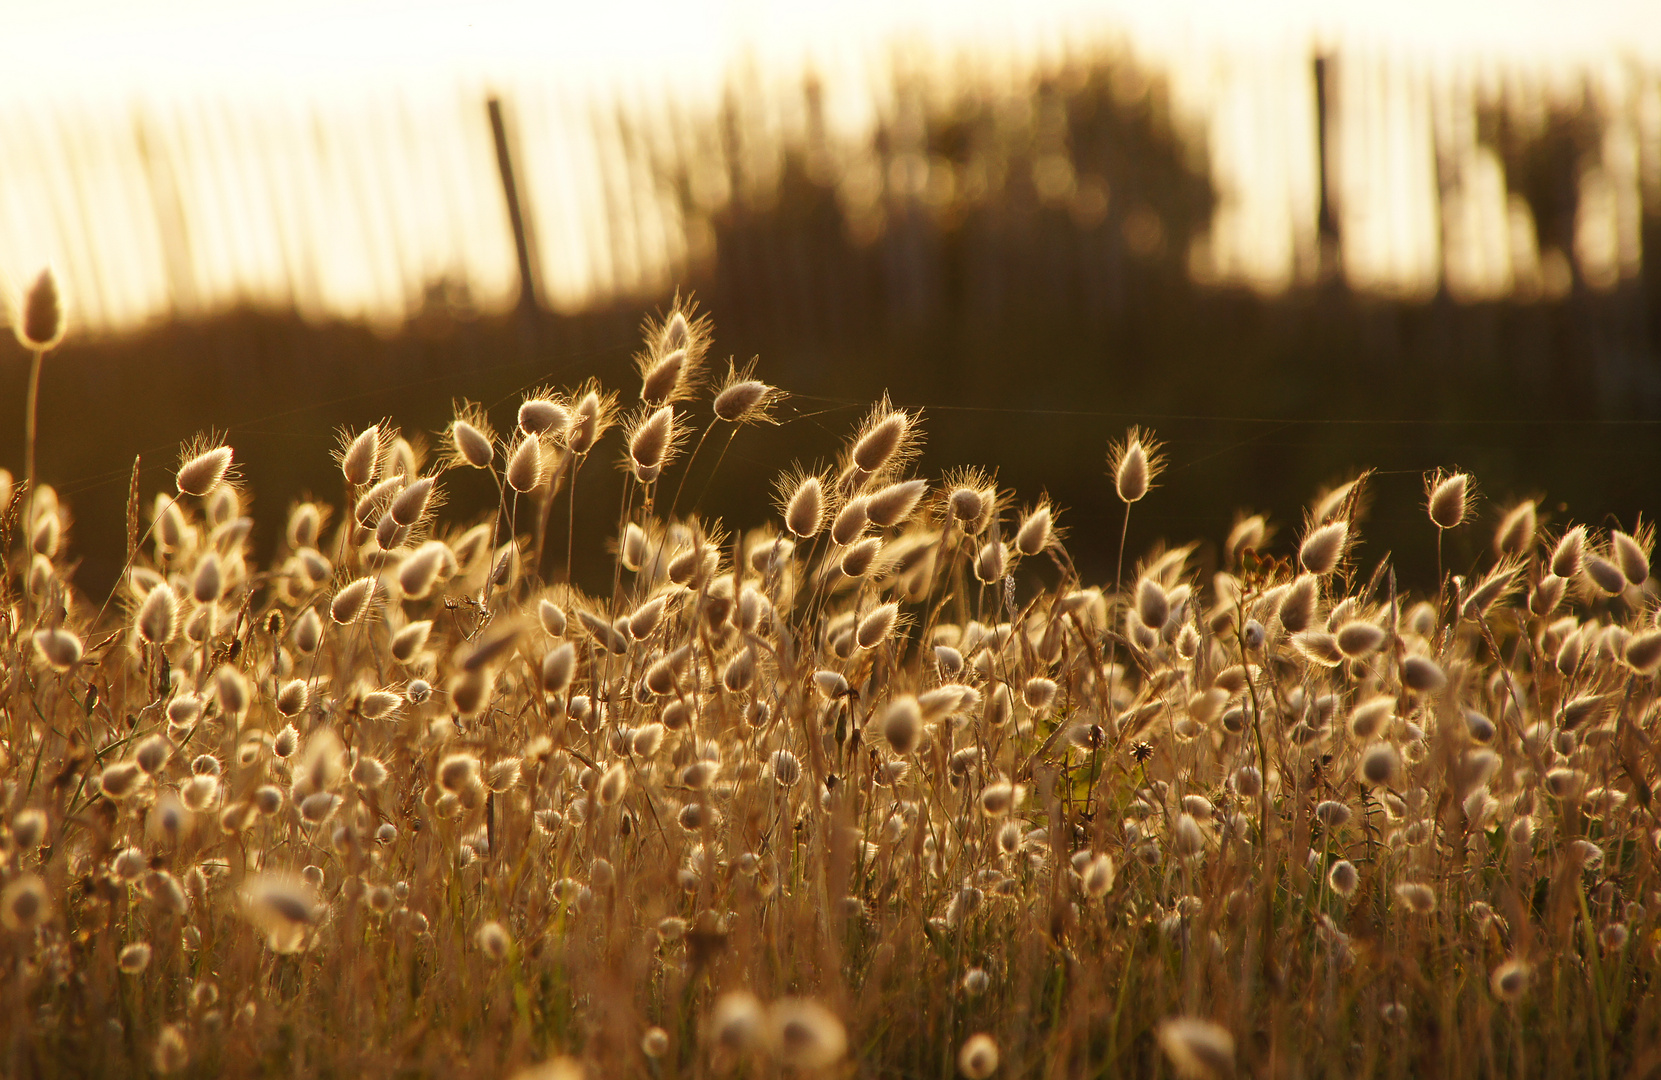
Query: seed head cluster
[872, 782]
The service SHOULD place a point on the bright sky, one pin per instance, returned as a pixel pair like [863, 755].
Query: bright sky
[120, 45]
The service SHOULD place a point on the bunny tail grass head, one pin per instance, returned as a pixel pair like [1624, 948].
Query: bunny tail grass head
[672, 363]
[204, 463]
[39, 322]
[744, 399]
[471, 441]
[1448, 498]
[1135, 462]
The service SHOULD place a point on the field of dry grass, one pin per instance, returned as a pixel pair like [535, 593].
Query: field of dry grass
[868, 784]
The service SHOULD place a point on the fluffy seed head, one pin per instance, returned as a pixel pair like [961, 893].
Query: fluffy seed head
[1446, 498]
[493, 940]
[202, 470]
[745, 399]
[60, 649]
[158, 616]
[1343, 878]
[877, 624]
[805, 1035]
[804, 510]
[172, 1053]
[40, 322]
[1422, 674]
[966, 505]
[882, 439]
[1324, 547]
[1152, 605]
[902, 725]
[1357, 639]
[1566, 556]
[1380, 763]
[1509, 981]
[524, 472]
[1416, 897]
[978, 1058]
[1630, 554]
[1605, 575]
[471, 445]
[1515, 535]
[650, 442]
[352, 601]
[1097, 876]
[543, 416]
[134, 958]
[1034, 533]
[558, 666]
[23, 903]
[735, 1022]
[1297, 606]
[888, 506]
[1136, 464]
[1197, 1049]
